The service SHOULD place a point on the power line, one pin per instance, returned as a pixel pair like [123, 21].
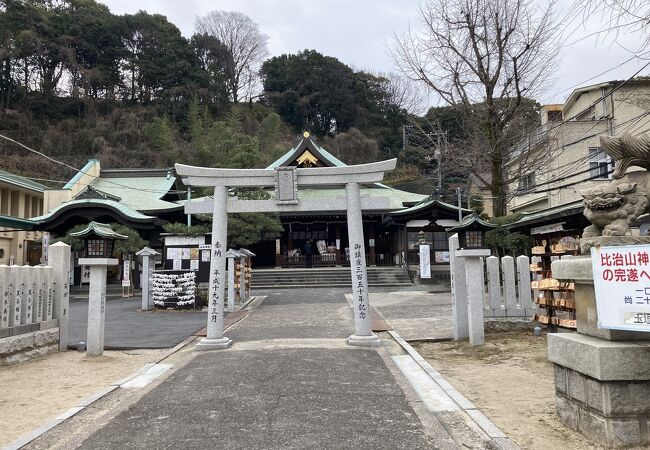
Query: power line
[85, 173]
[564, 185]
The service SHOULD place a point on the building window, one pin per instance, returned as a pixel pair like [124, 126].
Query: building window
[473, 239]
[600, 164]
[527, 182]
[440, 241]
[95, 247]
[554, 116]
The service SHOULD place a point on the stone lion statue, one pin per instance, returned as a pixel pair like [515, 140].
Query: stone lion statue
[612, 207]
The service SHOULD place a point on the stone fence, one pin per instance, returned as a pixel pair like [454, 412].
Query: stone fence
[34, 307]
[504, 285]
[508, 287]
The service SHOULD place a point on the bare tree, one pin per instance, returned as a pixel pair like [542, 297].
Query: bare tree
[618, 18]
[246, 45]
[485, 58]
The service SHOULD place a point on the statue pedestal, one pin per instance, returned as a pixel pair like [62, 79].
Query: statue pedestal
[602, 378]
[611, 241]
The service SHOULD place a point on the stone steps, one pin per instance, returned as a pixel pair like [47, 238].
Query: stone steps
[327, 277]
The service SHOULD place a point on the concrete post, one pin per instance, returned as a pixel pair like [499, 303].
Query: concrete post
[363, 335]
[39, 294]
[148, 265]
[96, 303]
[458, 291]
[59, 260]
[215, 338]
[523, 276]
[5, 300]
[475, 292]
[15, 295]
[494, 285]
[26, 305]
[50, 291]
[147, 271]
[509, 289]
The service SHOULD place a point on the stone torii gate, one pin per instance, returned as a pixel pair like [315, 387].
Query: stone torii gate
[286, 181]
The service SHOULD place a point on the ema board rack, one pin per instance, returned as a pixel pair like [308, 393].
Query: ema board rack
[555, 299]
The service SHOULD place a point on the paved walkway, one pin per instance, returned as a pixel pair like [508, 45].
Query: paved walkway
[416, 315]
[289, 381]
[126, 327]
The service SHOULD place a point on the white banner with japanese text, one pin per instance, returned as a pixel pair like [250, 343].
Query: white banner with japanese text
[425, 261]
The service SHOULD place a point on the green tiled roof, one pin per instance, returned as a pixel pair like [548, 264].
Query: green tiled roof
[548, 213]
[16, 223]
[78, 175]
[139, 193]
[469, 220]
[121, 208]
[22, 182]
[427, 201]
[100, 229]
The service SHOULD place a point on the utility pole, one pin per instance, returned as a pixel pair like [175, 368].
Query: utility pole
[460, 214]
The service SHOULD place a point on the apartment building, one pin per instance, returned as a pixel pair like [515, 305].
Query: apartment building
[20, 199]
[564, 155]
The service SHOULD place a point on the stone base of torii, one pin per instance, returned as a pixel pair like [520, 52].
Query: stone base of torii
[286, 181]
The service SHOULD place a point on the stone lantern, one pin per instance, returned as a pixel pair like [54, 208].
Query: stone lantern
[99, 244]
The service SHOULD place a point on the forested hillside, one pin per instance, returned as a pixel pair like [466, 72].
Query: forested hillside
[77, 81]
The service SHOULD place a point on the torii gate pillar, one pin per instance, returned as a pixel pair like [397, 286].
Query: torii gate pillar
[215, 338]
[363, 335]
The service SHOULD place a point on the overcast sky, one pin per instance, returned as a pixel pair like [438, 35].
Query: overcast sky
[358, 31]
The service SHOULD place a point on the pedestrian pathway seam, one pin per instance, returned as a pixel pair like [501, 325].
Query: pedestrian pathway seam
[139, 379]
[480, 419]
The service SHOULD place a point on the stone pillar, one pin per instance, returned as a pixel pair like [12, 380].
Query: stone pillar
[39, 294]
[523, 286]
[215, 338]
[20, 300]
[16, 295]
[96, 303]
[148, 266]
[5, 299]
[50, 291]
[147, 271]
[363, 335]
[494, 286]
[458, 291]
[475, 293]
[509, 285]
[59, 259]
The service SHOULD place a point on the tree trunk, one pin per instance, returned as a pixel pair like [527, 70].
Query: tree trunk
[497, 189]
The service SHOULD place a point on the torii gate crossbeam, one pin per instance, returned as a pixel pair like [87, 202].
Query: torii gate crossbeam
[286, 181]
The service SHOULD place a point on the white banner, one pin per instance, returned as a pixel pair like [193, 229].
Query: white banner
[126, 273]
[425, 261]
[622, 285]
